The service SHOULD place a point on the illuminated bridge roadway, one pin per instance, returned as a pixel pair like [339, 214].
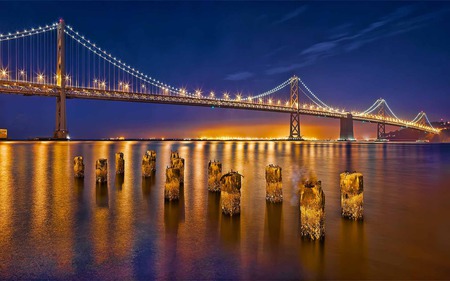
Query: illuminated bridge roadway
[56, 61]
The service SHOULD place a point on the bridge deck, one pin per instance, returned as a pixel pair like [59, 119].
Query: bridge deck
[50, 90]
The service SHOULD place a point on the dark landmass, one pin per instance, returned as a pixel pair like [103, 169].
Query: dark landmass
[407, 134]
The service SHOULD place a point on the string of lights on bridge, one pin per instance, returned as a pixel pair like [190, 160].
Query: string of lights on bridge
[90, 67]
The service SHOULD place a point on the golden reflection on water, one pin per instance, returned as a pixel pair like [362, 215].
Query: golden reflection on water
[55, 226]
[6, 205]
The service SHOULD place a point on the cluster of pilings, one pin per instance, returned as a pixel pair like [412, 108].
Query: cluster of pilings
[312, 203]
[311, 195]
[229, 186]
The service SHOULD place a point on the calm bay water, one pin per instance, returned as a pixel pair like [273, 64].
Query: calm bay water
[53, 226]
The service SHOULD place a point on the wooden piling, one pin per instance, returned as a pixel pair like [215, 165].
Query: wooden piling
[352, 196]
[101, 170]
[78, 167]
[120, 164]
[274, 191]
[177, 162]
[214, 175]
[312, 210]
[230, 193]
[172, 185]
[149, 163]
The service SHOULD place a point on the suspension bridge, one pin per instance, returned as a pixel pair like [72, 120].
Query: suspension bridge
[57, 61]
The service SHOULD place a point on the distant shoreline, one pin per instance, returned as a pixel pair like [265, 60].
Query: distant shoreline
[215, 140]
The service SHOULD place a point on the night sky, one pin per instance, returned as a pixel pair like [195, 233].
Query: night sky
[348, 53]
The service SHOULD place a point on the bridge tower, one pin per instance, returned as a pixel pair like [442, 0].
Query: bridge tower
[295, 117]
[61, 131]
[381, 127]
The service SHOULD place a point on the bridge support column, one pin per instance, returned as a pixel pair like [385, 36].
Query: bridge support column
[347, 128]
[295, 116]
[61, 131]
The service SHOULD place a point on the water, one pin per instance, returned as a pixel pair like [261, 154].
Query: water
[53, 226]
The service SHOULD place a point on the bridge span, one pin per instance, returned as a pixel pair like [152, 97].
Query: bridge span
[107, 78]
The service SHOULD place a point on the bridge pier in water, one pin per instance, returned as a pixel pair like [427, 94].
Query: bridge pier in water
[346, 132]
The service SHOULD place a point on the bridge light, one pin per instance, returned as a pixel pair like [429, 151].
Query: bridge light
[226, 96]
[238, 97]
[287, 103]
[40, 77]
[260, 100]
[143, 86]
[211, 94]
[4, 72]
[95, 81]
[270, 101]
[279, 102]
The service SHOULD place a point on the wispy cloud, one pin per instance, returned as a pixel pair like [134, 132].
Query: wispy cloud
[340, 31]
[401, 20]
[295, 13]
[239, 76]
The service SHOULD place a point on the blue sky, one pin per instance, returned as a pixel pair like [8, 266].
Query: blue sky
[348, 53]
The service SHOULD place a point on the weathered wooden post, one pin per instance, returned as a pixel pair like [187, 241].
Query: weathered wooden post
[312, 209]
[230, 193]
[101, 170]
[172, 185]
[178, 163]
[78, 167]
[120, 164]
[149, 163]
[352, 195]
[214, 174]
[274, 191]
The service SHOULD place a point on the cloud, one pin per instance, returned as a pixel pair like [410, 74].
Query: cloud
[322, 47]
[291, 15]
[340, 31]
[239, 76]
[399, 21]
[283, 69]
